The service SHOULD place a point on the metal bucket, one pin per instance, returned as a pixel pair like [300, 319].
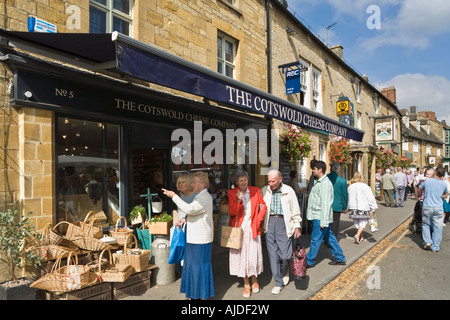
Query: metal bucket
[165, 273]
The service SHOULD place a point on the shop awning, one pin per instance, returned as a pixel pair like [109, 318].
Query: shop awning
[124, 55]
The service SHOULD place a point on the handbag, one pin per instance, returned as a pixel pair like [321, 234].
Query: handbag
[298, 261]
[177, 244]
[231, 237]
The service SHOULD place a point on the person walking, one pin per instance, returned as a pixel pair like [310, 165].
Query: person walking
[320, 212]
[401, 183]
[247, 207]
[360, 202]
[416, 180]
[410, 185]
[388, 184]
[434, 190]
[340, 196]
[197, 277]
[281, 223]
[447, 201]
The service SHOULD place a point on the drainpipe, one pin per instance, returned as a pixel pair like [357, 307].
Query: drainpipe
[268, 49]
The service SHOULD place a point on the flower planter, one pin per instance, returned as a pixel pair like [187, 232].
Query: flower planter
[22, 291]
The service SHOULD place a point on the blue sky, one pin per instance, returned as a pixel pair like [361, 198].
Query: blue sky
[410, 50]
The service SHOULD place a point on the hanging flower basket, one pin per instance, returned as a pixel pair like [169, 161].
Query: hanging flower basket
[339, 151]
[296, 144]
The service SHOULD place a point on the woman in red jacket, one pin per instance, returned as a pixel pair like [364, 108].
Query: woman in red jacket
[247, 207]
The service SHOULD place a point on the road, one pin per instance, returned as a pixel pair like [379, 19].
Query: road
[396, 269]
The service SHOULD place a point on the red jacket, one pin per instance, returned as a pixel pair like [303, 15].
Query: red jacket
[236, 209]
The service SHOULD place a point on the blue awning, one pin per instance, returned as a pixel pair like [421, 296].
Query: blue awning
[124, 55]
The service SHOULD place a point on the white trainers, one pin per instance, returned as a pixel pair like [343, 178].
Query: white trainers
[276, 290]
[286, 280]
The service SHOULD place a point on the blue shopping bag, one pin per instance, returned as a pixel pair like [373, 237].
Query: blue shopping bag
[177, 244]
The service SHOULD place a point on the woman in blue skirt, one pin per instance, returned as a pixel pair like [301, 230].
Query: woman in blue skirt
[197, 277]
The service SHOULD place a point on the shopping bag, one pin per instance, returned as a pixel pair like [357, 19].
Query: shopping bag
[298, 261]
[231, 237]
[373, 222]
[177, 244]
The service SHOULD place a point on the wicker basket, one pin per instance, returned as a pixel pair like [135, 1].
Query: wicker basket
[113, 272]
[52, 236]
[65, 279]
[83, 228]
[138, 261]
[120, 233]
[50, 252]
[90, 244]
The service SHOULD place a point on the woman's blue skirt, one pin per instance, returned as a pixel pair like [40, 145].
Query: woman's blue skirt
[197, 277]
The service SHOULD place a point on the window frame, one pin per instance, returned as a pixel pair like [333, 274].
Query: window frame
[111, 13]
[224, 37]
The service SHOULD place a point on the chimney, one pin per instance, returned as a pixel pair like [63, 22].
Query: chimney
[338, 50]
[428, 114]
[412, 109]
[390, 93]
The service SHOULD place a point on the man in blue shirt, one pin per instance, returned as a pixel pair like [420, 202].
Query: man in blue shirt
[434, 189]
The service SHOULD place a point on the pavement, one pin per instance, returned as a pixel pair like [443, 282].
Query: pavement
[229, 287]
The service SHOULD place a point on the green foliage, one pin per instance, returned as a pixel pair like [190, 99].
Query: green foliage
[162, 218]
[136, 210]
[14, 231]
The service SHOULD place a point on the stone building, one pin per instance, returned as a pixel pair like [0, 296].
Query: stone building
[423, 138]
[88, 114]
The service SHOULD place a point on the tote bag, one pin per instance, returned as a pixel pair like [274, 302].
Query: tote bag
[231, 237]
[298, 261]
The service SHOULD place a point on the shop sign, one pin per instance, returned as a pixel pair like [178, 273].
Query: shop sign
[293, 81]
[343, 107]
[39, 25]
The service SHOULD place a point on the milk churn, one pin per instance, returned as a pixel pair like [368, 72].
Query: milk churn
[165, 273]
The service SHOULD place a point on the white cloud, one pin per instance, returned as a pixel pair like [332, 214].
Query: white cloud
[415, 25]
[428, 93]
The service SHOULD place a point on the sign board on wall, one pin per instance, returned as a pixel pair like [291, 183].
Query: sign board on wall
[39, 25]
[383, 131]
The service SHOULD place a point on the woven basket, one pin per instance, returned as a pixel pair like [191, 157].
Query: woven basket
[50, 251]
[65, 279]
[52, 236]
[138, 261]
[113, 272]
[90, 244]
[120, 233]
[83, 228]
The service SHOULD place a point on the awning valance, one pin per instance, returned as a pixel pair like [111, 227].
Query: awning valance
[124, 55]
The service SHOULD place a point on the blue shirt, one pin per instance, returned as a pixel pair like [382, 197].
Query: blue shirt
[433, 189]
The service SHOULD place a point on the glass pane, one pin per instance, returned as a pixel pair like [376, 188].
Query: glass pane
[121, 26]
[103, 2]
[219, 48]
[229, 51]
[122, 5]
[229, 71]
[97, 20]
[88, 170]
[220, 67]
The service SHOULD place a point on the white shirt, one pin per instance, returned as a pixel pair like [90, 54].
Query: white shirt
[360, 197]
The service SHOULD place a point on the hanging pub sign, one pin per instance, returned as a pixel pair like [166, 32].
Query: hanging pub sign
[343, 106]
[293, 81]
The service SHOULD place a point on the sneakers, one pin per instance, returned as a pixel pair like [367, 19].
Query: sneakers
[286, 280]
[427, 246]
[276, 290]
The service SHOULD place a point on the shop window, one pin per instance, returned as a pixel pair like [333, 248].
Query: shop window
[87, 170]
[110, 15]
[226, 55]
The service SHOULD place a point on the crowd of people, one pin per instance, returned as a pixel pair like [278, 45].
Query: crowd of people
[274, 210]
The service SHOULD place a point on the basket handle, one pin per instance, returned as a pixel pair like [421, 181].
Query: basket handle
[100, 261]
[117, 223]
[56, 226]
[126, 242]
[92, 218]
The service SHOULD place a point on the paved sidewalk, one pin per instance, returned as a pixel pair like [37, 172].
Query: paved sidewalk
[230, 287]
